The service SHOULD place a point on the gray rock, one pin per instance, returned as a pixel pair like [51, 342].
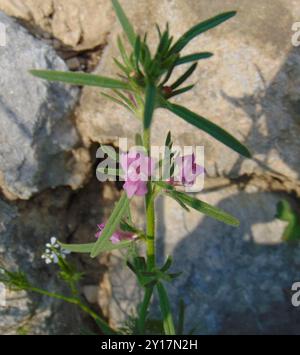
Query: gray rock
[23, 234]
[36, 133]
[235, 280]
[250, 87]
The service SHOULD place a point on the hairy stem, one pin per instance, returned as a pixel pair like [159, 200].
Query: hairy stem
[151, 259]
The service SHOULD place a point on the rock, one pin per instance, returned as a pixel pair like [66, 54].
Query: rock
[37, 133]
[78, 24]
[23, 234]
[73, 63]
[235, 280]
[91, 293]
[250, 87]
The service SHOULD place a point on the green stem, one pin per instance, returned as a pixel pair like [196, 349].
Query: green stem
[150, 231]
[144, 310]
[151, 260]
[76, 301]
[150, 211]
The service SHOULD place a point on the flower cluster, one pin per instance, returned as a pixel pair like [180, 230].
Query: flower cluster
[117, 237]
[54, 251]
[138, 168]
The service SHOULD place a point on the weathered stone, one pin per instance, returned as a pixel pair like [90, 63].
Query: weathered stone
[250, 87]
[91, 293]
[23, 234]
[36, 133]
[78, 24]
[235, 280]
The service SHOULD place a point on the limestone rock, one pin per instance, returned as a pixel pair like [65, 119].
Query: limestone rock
[250, 87]
[36, 132]
[78, 24]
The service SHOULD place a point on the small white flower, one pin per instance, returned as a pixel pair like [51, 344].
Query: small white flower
[55, 258]
[54, 251]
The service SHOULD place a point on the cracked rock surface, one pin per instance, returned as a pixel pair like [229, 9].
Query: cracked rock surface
[37, 134]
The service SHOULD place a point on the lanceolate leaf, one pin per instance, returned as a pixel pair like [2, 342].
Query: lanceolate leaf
[204, 208]
[209, 127]
[78, 248]
[81, 79]
[193, 58]
[200, 28]
[87, 248]
[181, 91]
[184, 77]
[127, 27]
[111, 225]
[149, 105]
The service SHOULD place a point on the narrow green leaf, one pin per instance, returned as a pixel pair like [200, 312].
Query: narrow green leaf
[124, 21]
[123, 52]
[158, 31]
[117, 101]
[193, 58]
[167, 264]
[125, 70]
[204, 208]
[149, 105]
[127, 227]
[164, 185]
[163, 44]
[184, 77]
[181, 91]
[168, 139]
[125, 99]
[81, 79]
[165, 310]
[137, 52]
[200, 28]
[111, 225]
[209, 127]
[181, 203]
[87, 248]
[78, 248]
[168, 75]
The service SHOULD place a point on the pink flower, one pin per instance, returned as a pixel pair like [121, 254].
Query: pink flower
[138, 168]
[189, 170]
[117, 237]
